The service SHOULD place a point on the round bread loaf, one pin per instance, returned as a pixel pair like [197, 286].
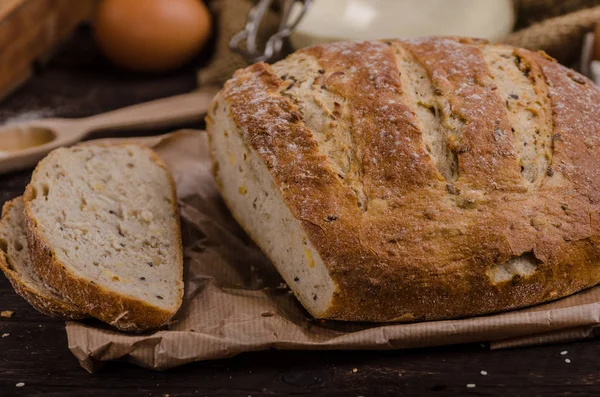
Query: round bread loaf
[415, 180]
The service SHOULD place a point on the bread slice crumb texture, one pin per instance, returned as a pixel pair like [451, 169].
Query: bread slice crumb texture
[109, 214]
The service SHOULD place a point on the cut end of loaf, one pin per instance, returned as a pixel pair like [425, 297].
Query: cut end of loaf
[251, 195]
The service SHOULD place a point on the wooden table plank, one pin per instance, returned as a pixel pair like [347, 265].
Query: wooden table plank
[35, 352]
[29, 32]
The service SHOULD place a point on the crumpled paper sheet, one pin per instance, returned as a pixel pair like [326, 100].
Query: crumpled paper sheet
[235, 301]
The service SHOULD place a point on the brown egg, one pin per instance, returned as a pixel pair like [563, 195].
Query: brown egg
[151, 35]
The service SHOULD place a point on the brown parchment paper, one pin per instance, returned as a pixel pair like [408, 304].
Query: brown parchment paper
[235, 301]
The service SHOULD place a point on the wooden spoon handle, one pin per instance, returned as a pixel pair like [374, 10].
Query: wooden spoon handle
[162, 112]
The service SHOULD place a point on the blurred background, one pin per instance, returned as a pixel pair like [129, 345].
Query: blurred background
[145, 38]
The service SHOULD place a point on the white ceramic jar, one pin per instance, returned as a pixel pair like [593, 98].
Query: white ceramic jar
[336, 20]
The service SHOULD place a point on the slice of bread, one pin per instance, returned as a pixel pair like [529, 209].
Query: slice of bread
[20, 269]
[103, 228]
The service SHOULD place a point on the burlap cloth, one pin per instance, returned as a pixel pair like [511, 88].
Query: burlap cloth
[555, 26]
[231, 16]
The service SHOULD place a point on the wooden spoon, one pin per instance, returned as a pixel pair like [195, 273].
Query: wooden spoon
[23, 145]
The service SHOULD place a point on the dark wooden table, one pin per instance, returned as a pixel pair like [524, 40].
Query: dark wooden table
[79, 83]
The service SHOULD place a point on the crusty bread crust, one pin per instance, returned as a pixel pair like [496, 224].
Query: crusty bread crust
[120, 311]
[44, 304]
[423, 247]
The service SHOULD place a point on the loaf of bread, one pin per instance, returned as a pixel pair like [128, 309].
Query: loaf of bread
[103, 230]
[415, 180]
[20, 270]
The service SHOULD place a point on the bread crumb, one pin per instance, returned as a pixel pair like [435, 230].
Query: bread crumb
[147, 216]
[5, 335]
[7, 314]
[484, 373]
[471, 385]
[20, 384]
[354, 370]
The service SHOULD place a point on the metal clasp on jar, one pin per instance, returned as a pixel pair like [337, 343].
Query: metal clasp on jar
[245, 42]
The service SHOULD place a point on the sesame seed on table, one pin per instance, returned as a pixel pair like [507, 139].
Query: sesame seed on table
[35, 359]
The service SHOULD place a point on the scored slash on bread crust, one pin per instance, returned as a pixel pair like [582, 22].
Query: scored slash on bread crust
[415, 180]
[20, 270]
[122, 247]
